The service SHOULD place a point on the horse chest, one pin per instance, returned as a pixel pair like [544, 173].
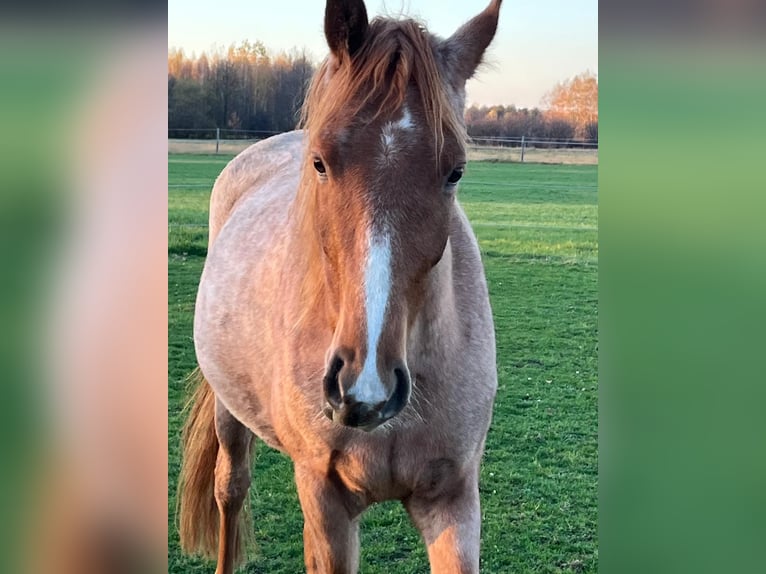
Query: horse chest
[378, 474]
[367, 474]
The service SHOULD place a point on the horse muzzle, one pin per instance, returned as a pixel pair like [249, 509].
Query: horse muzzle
[353, 408]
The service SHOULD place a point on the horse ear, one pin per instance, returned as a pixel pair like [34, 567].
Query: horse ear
[462, 52]
[345, 26]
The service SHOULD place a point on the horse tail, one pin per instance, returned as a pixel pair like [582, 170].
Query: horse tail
[198, 519]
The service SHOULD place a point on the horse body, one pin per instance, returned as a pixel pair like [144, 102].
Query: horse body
[272, 382]
[343, 315]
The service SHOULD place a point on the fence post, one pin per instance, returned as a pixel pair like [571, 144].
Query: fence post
[217, 138]
[522, 149]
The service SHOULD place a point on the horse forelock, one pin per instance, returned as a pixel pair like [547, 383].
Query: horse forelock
[396, 56]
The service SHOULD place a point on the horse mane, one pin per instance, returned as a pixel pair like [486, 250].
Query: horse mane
[395, 56]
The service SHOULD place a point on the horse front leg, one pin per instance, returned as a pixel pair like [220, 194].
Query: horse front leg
[450, 523]
[331, 523]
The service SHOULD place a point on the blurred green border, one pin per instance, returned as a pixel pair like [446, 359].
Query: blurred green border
[682, 286]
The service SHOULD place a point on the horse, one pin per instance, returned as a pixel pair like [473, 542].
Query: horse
[343, 315]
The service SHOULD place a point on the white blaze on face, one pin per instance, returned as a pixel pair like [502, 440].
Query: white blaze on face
[377, 288]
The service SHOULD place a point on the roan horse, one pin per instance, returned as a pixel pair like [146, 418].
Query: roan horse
[343, 314]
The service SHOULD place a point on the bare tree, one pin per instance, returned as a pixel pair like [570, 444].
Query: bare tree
[575, 100]
[242, 87]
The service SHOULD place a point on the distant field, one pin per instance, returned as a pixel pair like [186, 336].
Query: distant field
[571, 156]
[537, 228]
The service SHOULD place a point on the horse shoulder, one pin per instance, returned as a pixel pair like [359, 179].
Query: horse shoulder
[469, 357]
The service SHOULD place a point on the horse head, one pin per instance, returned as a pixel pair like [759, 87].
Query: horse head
[386, 150]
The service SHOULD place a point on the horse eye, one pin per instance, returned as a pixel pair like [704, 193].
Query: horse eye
[319, 166]
[455, 176]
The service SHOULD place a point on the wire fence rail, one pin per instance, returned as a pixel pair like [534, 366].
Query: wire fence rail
[480, 148]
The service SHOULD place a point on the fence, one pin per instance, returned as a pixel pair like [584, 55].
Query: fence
[533, 150]
[503, 149]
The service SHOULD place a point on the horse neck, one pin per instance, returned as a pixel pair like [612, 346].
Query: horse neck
[439, 311]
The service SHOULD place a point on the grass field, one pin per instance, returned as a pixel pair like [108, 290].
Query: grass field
[537, 227]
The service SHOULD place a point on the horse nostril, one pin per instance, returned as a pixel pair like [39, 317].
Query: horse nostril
[401, 375]
[401, 395]
[401, 379]
[331, 384]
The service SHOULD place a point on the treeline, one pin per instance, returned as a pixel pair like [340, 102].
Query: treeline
[571, 113]
[512, 122]
[247, 88]
[242, 88]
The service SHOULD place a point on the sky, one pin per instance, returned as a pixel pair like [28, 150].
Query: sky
[538, 42]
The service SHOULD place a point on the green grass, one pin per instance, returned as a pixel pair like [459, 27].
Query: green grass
[537, 227]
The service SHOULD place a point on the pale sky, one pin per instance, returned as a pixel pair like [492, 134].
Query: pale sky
[538, 42]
